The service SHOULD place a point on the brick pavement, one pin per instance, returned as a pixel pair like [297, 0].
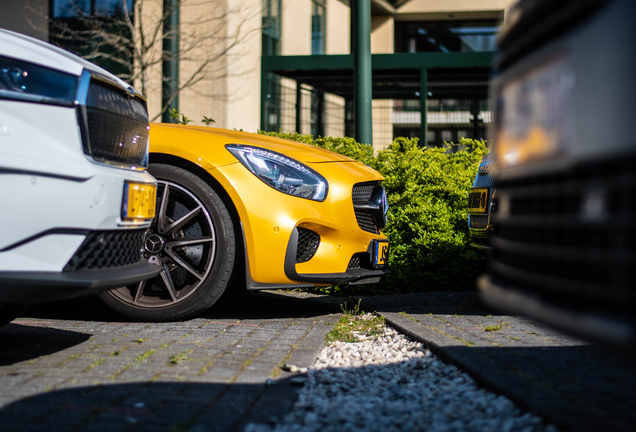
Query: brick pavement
[578, 386]
[82, 369]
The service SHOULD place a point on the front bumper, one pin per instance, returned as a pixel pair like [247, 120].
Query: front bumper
[596, 325]
[479, 240]
[352, 276]
[30, 287]
[270, 219]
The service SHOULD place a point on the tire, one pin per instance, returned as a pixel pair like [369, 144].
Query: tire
[192, 238]
[10, 312]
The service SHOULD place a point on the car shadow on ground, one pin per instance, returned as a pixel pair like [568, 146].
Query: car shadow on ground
[21, 342]
[255, 305]
[152, 406]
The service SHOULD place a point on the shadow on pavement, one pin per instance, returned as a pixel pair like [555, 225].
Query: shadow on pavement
[580, 388]
[446, 303]
[23, 342]
[257, 305]
[153, 407]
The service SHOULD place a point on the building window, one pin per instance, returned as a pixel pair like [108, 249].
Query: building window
[446, 36]
[271, 27]
[96, 30]
[318, 27]
[102, 8]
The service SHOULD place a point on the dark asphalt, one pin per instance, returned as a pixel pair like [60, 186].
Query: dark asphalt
[74, 366]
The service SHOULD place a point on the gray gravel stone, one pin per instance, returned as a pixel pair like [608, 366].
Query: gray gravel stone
[390, 383]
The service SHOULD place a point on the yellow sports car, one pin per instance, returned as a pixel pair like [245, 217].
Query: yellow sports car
[238, 210]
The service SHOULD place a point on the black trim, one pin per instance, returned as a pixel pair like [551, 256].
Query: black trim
[5, 170]
[252, 285]
[371, 252]
[82, 123]
[35, 287]
[73, 231]
[351, 276]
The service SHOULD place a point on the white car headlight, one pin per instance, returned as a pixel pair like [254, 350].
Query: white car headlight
[281, 172]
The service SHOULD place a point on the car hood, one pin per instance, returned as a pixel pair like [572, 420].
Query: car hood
[301, 152]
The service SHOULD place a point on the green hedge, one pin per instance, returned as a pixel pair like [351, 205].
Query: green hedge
[427, 223]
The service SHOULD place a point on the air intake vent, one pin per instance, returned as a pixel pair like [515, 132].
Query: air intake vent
[308, 242]
[107, 249]
[360, 260]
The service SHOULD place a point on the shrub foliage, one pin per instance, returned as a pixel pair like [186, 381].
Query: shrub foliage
[427, 226]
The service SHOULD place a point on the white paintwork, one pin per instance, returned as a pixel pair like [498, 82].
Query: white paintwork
[21, 47]
[42, 146]
[50, 254]
[46, 180]
[32, 204]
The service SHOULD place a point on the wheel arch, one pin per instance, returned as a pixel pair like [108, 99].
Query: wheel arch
[239, 265]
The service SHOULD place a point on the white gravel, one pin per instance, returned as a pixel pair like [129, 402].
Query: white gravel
[389, 383]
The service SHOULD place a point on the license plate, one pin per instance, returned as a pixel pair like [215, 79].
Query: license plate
[380, 253]
[478, 200]
[535, 114]
[139, 201]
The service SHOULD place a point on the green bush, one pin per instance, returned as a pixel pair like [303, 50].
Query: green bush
[427, 226]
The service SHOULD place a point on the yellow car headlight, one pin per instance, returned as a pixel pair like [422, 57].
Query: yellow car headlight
[281, 172]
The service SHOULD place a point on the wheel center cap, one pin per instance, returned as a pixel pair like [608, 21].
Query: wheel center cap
[154, 243]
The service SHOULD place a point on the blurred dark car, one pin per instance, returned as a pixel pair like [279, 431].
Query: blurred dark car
[564, 158]
[481, 205]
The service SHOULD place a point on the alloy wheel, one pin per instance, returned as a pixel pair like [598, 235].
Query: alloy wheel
[182, 241]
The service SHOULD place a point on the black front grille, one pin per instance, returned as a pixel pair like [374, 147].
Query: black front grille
[365, 222]
[361, 194]
[308, 242]
[360, 260]
[117, 126]
[570, 236]
[107, 249]
[479, 221]
[354, 263]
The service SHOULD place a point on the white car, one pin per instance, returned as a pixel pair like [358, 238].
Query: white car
[75, 197]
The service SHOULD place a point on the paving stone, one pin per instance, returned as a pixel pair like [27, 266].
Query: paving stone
[563, 378]
[73, 357]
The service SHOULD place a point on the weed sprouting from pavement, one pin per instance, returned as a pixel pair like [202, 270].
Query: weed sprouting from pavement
[355, 311]
[356, 325]
[178, 358]
[145, 355]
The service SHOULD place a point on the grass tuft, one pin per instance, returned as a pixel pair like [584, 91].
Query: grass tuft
[356, 326]
[145, 355]
[178, 358]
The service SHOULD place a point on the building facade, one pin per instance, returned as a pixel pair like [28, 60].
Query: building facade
[286, 64]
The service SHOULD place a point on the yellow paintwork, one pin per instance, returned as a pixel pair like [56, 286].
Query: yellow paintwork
[269, 216]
